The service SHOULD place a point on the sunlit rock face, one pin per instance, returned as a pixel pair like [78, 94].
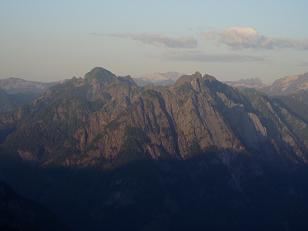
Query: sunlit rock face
[102, 117]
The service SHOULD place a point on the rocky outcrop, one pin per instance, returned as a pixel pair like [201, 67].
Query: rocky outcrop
[102, 118]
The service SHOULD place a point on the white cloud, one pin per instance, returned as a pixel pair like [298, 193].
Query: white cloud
[248, 37]
[158, 40]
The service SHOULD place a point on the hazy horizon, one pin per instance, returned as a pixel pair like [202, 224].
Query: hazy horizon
[232, 40]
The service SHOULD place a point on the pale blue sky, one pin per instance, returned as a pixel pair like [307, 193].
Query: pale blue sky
[52, 40]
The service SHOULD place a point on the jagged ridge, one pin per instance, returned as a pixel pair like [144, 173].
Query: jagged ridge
[102, 118]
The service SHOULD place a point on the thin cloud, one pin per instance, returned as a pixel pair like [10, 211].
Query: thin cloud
[248, 37]
[158, 40]
[198, 56]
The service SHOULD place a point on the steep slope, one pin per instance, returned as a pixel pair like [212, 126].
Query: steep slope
[201, 193]
[295, 112]
[102, 119]
[6, 103]
[17, 213]
[297, 103]
[10, 102]
[105, 154]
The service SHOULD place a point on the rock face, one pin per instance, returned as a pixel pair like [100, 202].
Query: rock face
[245, 156]
[102, 118]
[295, 106]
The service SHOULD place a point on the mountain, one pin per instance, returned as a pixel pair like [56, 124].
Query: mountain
[15, 92]
[6, 102]
[296, 104]
[103, 153]
[157, 78]
[201, 193]
[247, 83]
[102, 119]
[283, 86]
[16, 85]
[10, 102]
[288, 85]
[17, 213]
[290, 93]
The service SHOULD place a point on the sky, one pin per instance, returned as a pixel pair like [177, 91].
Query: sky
[50, 40]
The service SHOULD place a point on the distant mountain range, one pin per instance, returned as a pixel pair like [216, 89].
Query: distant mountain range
[288, 85]
[157, 78]
[247, 83]
[104, 153]
[21, 86]
[15, 92]
[283, 86]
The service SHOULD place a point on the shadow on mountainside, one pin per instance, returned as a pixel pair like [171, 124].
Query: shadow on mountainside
[196, 194]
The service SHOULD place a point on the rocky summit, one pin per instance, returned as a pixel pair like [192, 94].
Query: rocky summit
[102, 119]
[103, 153]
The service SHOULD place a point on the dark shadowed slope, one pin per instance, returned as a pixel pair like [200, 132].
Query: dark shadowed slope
[17, 213]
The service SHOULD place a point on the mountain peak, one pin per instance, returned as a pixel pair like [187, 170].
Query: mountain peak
[100, 74]
[209, 77]
[109, 116]
[197, 76]
[189, 78]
